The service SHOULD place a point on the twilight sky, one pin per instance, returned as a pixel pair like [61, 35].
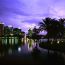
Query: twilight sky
[28, 13]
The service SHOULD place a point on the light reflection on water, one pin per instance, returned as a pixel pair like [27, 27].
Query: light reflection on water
[19, 49]
[10, 51]
[24, 49]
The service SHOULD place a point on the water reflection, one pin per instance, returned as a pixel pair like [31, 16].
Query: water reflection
[10, 51]
[19, 49]
[23, 49]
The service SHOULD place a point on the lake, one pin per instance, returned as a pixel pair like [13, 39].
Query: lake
[23, 55]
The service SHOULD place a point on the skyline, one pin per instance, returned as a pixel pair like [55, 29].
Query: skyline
[28, 13]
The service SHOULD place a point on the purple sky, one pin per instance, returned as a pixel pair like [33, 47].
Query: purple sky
[28, 13]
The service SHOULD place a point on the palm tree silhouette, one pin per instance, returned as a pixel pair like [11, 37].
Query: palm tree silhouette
[35, 34]
[55, 28]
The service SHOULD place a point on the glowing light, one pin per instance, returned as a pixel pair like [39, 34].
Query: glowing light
[11, 34]
[19, 49]
[58, 42]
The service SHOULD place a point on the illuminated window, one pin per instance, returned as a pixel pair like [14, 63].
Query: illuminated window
[16, 40]
[4, 40]
[10, 40]
[13, 40]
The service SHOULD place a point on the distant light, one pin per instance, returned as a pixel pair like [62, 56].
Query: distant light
[58, 42]
[19, 49]
[11, 34]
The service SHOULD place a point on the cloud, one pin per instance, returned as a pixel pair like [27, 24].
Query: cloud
[20, 22]
[57, 10]
[27, 13]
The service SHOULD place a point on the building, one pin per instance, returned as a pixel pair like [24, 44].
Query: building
[11, 37]
[10, 29]
[16, 31]
[1, 29]
[1, 32]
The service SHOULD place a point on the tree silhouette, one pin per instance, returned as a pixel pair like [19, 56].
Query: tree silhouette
[55, 28]
[61, 27]
[35, 34]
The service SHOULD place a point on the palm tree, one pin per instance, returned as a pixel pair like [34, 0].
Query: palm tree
[62, 27]
[46, 25]
[35, 34]
[54, 28]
